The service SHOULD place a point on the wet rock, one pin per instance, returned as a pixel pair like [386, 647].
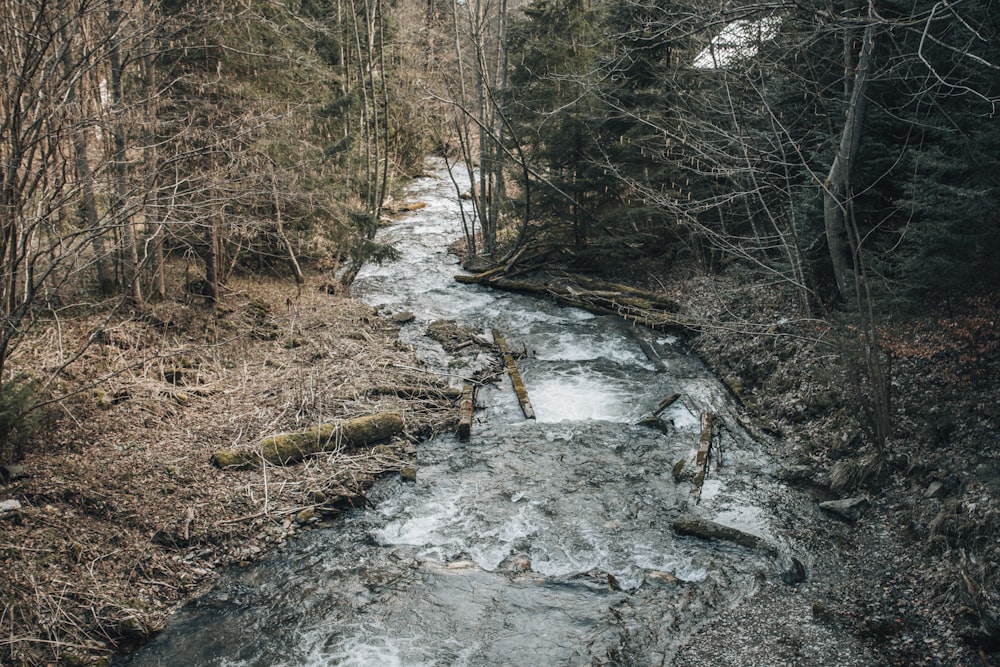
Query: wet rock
[683, 472]
[516, 563]
[849, 509]
[654, 422]
[403, 317]
[408, 474]
[688, 524]
[662, 578]
[795, 574]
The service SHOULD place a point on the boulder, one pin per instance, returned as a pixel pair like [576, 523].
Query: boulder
[8, 473]
[9, 506]
[795, 574]
[849, 509]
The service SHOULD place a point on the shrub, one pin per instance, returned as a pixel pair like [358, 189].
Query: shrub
[18, 421]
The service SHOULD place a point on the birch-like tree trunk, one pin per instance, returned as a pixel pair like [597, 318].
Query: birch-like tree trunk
[838, 194]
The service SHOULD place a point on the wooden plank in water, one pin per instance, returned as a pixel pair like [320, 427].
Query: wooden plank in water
[465, 408]
[515, 376]
[705, 443]
[704, 450]
[665, 403]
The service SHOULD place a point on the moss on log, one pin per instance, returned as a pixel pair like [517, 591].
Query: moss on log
[286, 448]
[704, 450]
[688, 524]
[515, 376]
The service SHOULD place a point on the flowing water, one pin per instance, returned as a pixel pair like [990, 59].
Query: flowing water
[536, 542]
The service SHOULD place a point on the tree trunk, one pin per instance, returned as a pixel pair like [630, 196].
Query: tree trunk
[837, 187]
[280, 228]
[211, 268]
[88, 202]
[130, 254]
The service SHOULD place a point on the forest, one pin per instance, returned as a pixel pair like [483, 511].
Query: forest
[835, 164]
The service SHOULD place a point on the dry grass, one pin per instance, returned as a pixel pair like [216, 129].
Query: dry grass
[122, 514]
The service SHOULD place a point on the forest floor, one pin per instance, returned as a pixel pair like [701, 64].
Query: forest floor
[118, 515]
[121, 517]
[915, 580]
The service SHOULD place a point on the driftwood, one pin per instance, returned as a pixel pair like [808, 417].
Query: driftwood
[287, 448]
[515, 376]
[634, 305]
[704, 448]
[665, 403]
[695, 526]
[465, 409]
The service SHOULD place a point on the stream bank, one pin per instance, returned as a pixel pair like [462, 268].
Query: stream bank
[916, 580]
[873, 594]
[537, 541]
[121, 518]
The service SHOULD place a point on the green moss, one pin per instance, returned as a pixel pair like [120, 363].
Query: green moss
[286, 448]
[102, 400]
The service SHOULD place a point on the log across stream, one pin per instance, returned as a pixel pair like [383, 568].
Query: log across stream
[565, 539]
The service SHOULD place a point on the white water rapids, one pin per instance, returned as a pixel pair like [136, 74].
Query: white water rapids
[544, 542]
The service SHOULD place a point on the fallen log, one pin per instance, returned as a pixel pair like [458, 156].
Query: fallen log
[689, 524]
[665, 403]
[654, 299]
[465, 409]
[704, 448]
[515, 376]
[286, 448]
[634, 309]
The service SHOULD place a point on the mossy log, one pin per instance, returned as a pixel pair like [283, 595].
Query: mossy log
[704, 450]
[515, 376]
[465, 409]
[633, 305]
[688, 524]
[287, 448]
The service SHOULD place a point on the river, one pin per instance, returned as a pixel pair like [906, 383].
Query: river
[536, 542]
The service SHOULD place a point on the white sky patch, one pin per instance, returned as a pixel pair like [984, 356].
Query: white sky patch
[737, 41]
